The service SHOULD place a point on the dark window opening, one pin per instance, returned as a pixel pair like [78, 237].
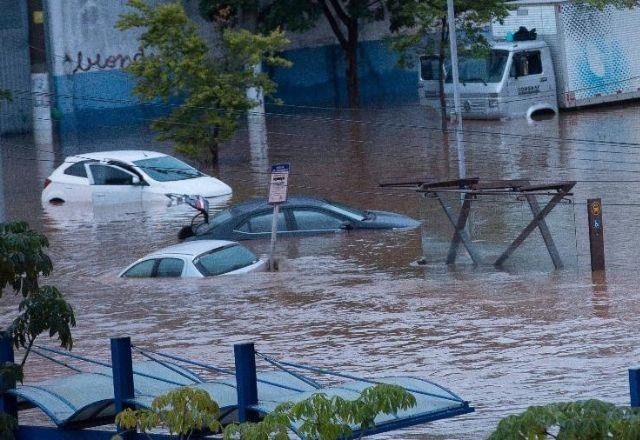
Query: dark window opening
[109, 175]
[143, 269]
[526, 63]
[77, 169]
[309, 220]
[261, 223]
[170, 267]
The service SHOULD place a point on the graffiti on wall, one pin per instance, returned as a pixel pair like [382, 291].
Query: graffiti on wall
[85, 63]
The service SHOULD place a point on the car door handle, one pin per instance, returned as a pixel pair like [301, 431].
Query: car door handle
[543, 79]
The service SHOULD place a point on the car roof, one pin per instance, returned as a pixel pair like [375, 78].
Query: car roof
[292, 201]
[191, 248]
[125, 155]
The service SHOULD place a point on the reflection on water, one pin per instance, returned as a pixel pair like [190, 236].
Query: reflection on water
[355, 301]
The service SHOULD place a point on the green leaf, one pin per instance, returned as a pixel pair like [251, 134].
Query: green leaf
[209, 84]
[182, 411]
[590, 419]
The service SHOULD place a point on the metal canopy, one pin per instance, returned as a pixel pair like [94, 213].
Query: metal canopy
[472, 188]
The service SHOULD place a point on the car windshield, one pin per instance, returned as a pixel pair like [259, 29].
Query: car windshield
[354, 213]
[227, 259]
[482, 69]
[167, 169]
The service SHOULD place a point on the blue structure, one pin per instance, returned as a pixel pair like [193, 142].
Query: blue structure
[89, 399]
[317, 78]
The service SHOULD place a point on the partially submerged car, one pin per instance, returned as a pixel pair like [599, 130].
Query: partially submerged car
[196, 259]
[127, 176]
[298, 216]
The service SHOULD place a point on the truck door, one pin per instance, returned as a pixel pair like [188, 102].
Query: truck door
[528, 83]
[110, 184]
[429, 82]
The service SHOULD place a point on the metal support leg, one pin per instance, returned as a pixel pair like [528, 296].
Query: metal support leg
[544, 231]
[634, 387]
[459, 233]
[529, 228]
[8, 403]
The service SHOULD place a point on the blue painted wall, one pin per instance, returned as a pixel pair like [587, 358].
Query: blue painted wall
[317, 78]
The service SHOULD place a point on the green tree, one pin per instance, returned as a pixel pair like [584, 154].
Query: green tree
[326, 418]
[182, 411]
[210, 83]
[187, 410]
[581, 420]
[421, 29]
[345, 17]
[42, 309]
[5, 94]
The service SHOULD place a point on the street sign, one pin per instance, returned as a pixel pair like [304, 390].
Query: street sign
[278, 183]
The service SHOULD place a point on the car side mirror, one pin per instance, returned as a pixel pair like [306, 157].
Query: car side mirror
[346, 226]
[135, 180]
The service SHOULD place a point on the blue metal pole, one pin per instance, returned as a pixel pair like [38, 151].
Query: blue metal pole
[122, 367]
[246, 378]
[8, 404]
[634, 386]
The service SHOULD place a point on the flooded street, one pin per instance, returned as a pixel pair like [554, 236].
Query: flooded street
[357, 301]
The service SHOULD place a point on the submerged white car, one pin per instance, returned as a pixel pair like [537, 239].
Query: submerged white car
[127, 176]
[196, 259]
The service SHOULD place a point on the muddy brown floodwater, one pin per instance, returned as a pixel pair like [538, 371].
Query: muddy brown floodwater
[355, 301]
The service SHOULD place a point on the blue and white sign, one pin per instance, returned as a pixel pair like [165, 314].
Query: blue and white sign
[280, 168]
[279, 183]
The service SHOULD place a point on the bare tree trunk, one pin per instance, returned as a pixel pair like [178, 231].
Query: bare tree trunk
[339, 19]
[352, 63]
[443, 73]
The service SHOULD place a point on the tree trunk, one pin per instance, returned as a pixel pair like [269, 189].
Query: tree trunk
[352, 63]
[213, 146]
[443, 73]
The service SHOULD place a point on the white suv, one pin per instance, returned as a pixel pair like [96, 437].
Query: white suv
[126, 176]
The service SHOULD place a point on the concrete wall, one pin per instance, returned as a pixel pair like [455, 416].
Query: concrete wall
[15, 116]
[87, 55]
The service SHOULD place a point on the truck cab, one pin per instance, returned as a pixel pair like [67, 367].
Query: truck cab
[513, 79]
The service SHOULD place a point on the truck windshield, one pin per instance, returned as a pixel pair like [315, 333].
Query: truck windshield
[485, 69]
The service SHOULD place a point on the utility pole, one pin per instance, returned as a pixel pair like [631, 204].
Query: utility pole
[453, 43]
[3, 216]
[40, 89]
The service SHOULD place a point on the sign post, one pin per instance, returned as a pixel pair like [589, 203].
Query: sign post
[596, 234]
[277, 195]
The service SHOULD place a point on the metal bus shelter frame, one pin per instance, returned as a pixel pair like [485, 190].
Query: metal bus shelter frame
[472, 188]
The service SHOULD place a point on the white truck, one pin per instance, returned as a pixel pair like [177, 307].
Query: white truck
[582, 56]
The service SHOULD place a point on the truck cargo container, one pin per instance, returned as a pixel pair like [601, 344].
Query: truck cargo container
[582, 56]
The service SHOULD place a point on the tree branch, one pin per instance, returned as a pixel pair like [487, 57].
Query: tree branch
[334, 24]
[26, 353]
[342, 15]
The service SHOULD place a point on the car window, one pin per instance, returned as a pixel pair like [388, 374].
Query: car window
[77, 169]
[224, 260]
[261, 223]
[349, 211]
[109, 175]
[143, 269]
[307, 219]
[526, 63]
[169, 267]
